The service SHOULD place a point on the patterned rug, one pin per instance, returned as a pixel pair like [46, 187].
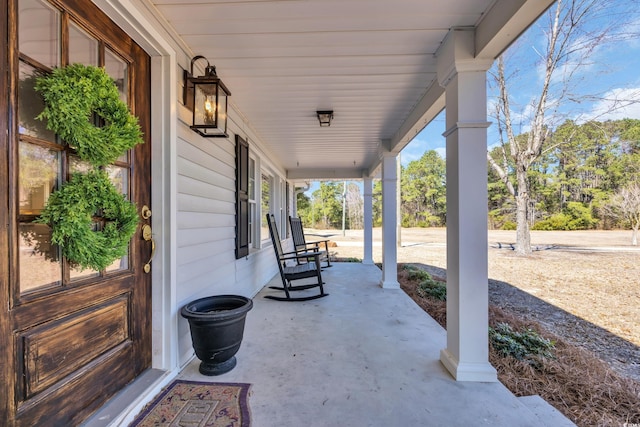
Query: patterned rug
[194, 403]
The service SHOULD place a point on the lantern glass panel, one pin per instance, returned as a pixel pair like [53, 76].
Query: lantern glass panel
[222, 109]
[205, 111]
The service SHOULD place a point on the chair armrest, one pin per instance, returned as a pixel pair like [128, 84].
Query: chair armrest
[304, 251]
[318, 242]
[315, 242]
[311, 245]
[289, 253]
[301, 255]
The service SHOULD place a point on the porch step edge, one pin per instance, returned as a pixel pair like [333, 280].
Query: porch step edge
[547, 414]
[131, 397]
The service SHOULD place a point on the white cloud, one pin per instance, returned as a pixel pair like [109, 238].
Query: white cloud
[410, 153]
[617, 104]
[630, 31]
[442, 151]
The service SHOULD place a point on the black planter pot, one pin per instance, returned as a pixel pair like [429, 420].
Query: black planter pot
[217, 327]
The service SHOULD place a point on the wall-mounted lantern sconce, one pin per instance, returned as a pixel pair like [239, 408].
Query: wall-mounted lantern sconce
[207, 97]
[324, 117]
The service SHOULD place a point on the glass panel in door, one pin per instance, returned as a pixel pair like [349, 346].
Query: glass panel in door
[39, 259]
[118, 70]
[83, 48]
[39, 32]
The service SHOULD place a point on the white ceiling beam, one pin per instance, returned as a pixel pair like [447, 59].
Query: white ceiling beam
[504, 23]
[325, 174]
[431, 104]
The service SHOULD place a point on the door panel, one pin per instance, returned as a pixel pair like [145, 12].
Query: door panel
[59, 407]
[54, 350]
[69, 339]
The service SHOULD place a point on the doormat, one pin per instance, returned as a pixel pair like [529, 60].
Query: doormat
[195, 403]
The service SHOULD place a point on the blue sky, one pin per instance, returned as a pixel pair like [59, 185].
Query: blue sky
[610, 72]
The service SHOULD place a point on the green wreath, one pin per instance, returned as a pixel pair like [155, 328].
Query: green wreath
[69, 212]
[72, 95]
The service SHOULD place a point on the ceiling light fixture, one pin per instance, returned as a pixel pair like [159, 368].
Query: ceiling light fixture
[324, 117]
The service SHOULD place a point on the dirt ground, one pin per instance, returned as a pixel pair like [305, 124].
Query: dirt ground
[581, 285]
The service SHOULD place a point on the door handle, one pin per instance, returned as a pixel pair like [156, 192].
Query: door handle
[147, 236]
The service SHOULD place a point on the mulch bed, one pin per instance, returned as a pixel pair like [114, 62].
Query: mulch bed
[578, 384]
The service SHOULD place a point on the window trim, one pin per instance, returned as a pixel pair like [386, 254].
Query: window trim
[253, 204]
[264, 240]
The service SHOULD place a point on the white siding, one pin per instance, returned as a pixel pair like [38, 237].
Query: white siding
[205, 239]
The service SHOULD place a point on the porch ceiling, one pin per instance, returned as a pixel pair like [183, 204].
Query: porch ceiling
[370, 61]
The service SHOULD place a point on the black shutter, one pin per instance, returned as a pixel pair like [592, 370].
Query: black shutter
[242, 197]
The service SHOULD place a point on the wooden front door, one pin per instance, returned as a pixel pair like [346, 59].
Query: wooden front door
[69, 338]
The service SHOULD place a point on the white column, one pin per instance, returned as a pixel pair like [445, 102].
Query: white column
[389, 223]
[398, 201]
[297, 191]
[464, 79]
[368, 221]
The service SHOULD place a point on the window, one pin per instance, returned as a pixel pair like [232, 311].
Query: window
[281, 207]
[254, 240]
[266, 199]
[259, 191]
[286, 209]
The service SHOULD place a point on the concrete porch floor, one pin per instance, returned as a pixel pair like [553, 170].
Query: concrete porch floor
[363, 356]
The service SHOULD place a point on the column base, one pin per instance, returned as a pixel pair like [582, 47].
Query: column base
[390, 284]
[473, 372]
[368, 262]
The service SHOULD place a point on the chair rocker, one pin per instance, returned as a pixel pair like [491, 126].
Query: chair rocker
[300, 243]
[289, 273]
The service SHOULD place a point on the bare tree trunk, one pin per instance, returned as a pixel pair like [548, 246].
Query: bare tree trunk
[523, 236]
[634, 236]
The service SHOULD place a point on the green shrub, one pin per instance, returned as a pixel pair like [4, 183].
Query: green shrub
[433, 289]
[522, 345]
[576, 216]
[427, 286]
[557, 221]
[509, 225]
[414, 273]
[581, 216]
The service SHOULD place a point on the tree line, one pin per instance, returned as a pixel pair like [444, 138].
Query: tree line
[587, 178]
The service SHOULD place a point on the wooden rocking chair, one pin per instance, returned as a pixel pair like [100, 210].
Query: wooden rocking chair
[288, 273]
[300, 243]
